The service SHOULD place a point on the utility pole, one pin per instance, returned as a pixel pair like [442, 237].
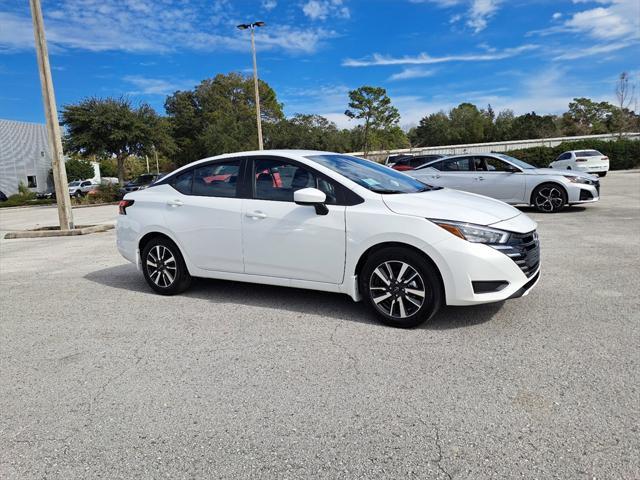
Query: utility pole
[65, 215]
[252, 27]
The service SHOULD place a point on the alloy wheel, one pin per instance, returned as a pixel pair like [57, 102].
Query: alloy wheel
[397, 289]
[549, 199]
[161, 266]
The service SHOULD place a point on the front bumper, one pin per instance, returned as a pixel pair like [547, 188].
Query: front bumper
[468, 263]
[583, 193]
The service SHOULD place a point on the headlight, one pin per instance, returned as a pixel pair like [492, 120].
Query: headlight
[573, 179]
[473, 233]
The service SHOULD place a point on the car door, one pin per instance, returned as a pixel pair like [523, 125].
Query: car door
[204, 213]
[496, 178]
[286, 240]
[457, 173]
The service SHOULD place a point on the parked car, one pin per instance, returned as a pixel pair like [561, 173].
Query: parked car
[79, 188]
[511, 180]
[139, 183]
[3, 197]
[331, 222]
[590, 161]
[413, 162]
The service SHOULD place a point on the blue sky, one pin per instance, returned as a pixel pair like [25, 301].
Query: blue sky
[430, 55]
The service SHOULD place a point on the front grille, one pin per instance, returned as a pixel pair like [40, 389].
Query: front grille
[524, 250]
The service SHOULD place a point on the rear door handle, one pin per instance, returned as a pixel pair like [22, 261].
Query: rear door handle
[435, 176]
[175, 203]
[258, 215]
[480, 178]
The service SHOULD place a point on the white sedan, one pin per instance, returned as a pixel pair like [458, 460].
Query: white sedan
[511, 180]
[330, 222]
[589, 161]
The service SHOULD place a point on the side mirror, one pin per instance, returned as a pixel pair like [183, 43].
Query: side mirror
[311, 197]
[512, 169]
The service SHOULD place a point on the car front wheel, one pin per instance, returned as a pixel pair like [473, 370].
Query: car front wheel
[164, 268]
[602, 174]
[401, 287]
[549, 198]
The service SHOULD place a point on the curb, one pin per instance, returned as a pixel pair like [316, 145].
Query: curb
[60, 233]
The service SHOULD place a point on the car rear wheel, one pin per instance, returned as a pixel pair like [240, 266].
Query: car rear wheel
[549, 198]
[401, 287]
[164, 268]
[602, 174]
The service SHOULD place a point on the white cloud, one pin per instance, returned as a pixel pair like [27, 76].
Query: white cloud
[574, 53]
[156, 86]
[150, 26]
[426, 59]
[323, 9]
[556, 16]
[269, 4]
[411, 73]
[480, 12]
[612, 20]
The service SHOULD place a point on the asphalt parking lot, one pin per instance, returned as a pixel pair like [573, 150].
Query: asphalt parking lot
[100, 378]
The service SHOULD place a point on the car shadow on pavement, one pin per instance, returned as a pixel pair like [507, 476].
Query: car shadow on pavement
[333, 305]
[569, 209]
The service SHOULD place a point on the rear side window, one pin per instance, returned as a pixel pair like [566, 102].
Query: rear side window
[216, 180]
[456, 165]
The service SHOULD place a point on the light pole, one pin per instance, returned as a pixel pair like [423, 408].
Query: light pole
[252, 27]
[65, 215]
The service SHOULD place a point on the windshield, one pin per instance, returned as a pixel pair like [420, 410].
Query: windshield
[515, 161]
[74, 184]
[371, 175]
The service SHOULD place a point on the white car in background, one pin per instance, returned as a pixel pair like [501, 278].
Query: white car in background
[511, 180]
[330, 222]
[589, 161]
[79, 188]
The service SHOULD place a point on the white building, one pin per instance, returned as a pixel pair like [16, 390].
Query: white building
[24, 157]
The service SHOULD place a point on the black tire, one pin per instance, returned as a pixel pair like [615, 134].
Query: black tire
[169, 275]
[549, 198]
[602, 174]
[77, 194]
[401, 289]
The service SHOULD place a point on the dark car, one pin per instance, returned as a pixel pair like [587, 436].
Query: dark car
[3, 197]
[141, 182]
[411, 162]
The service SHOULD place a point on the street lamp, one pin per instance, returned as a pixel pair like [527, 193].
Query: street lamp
[252, 27]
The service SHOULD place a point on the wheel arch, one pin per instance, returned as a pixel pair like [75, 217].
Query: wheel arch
[380, 246]
[548, 182]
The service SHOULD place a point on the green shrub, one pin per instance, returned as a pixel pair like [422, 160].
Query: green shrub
[623, 153]
[25, 193]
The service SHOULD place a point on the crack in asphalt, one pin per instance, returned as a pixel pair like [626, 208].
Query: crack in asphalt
[354, 360]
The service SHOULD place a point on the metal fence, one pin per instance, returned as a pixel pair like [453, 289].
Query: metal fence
[493, 146]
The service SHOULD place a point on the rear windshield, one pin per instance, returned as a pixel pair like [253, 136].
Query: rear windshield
[588, 153]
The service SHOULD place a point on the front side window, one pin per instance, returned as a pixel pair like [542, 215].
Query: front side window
[371, 175]
[491, 164]
[278, 179]
[216, 179]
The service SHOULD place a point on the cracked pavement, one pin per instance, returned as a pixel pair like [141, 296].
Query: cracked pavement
[101, 378]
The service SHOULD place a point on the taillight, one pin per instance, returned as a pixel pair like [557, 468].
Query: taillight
[123, 205]
[605, 158]
[581, 159]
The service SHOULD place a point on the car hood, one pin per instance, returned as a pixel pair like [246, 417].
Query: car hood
[554, 171]
[447, 204]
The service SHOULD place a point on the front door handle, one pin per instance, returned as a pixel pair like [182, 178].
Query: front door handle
[175, 203]
[480, 178]
[258, 215]
[435, 176]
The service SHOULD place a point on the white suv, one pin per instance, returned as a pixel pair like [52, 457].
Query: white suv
[331, 222]
[589, 161]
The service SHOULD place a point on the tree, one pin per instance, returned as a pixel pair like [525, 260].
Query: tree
[79, 169]
[113, 127]
[432, 130]
[218, 116]
[532, 125]
[312, 132]
[503, 125]
[373, 105]
[467, 124]
[586, 117]
[625, 94]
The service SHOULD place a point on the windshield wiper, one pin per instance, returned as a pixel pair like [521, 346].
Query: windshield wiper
[384, 190]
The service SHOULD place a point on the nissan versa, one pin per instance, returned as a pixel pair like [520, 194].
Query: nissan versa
[331, 222]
